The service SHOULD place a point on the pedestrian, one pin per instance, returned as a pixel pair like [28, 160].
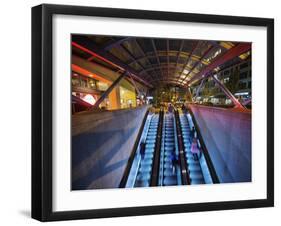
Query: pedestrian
[183, 108]
[192, 133]
[170, 108]
[194, 149]
[142, 149]
[174, 160]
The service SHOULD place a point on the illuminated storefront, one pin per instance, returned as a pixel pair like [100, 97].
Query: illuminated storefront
[127, 98]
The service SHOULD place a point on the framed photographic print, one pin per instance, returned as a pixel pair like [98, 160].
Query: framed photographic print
[147, 112]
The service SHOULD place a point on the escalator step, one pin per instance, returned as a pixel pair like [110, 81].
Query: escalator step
[148, 155]
[169, 144]
[151, 134]
[168, 172]
[151, 137]
[170, 136]
[149, 146]
[145, 169]
[189, 156]
[149, 150]
[168, 154]
[170, 180]
[196, 175]
[167, 165]
[152, 141]
[146, 162]
[197, 181]
[169, 148]
[192, 161]
[194, 167]
[166, 159]
[141, 183]
[143, 177]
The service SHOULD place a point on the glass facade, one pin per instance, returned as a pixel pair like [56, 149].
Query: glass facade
[236, 78]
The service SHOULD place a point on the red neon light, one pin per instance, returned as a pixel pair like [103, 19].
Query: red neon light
[94, 54]
[106, 60]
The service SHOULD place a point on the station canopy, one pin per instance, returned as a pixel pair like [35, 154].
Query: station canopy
[158, 60]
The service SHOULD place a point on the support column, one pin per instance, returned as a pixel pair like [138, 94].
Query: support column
[200, 87]
[227, 92]
[108, 91]
[114, 98]
[189, 96]
[132, 80]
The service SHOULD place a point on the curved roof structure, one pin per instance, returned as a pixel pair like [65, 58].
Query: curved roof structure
[159, 60]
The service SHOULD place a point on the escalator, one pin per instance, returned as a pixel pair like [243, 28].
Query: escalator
[168, 175]
[166, 137]
[193, 164]
[145, 166]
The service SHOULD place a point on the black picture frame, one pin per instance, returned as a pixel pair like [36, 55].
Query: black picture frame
[42, 107]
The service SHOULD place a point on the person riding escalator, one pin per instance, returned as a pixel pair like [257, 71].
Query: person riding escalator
[142, 149]
[174, 160]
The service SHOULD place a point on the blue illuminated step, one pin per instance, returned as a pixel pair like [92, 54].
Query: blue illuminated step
[168, 154]
[196, 174]
[170, 180]
[149, 146]
[168, 172]
[192, 161]
[196, 181]
[148, 155]
[169, 148]
[194, 167]
[149, 150]
[145, 169]
[146, 162]
[142, 183]
[167, 165]
[151, 134]
[167, 159]
[143, 176]
[150, 141]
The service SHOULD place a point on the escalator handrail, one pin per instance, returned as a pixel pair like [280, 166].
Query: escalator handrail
[144, 130]
[183, 161]
[205, 152]
[162, 154]
[133, 153]
[157, 151]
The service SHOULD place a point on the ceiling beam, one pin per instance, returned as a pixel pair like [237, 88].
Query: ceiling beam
[228, 55]
[85, 44]
[174, 82]
[179, 53]
[168, 58]
[142, 51]
[113, 43]
[156, 55]
[122, 47]
[200, 61]
[161, 66]
[189, 57]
